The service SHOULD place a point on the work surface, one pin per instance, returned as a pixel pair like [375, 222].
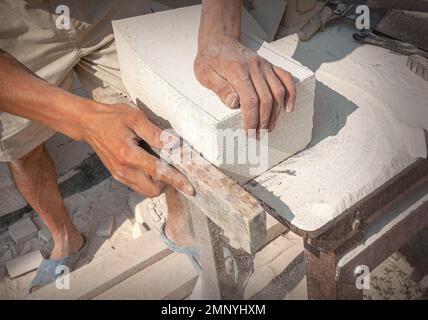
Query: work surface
[360, 139]
[157, 68]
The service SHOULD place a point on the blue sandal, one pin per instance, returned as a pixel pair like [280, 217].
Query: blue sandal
[192, 253]
[48, 270]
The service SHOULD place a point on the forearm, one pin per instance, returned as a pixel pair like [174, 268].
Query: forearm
[24, 94]
[219, 18]
[113, 131]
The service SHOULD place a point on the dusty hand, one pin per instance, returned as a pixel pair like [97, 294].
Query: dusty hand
[242, 78]
[115, 132]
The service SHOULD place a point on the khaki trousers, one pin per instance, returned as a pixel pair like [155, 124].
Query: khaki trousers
[39, 35]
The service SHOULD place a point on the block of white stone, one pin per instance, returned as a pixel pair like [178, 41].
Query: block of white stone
[37, 220]
[138, 230]
[7, 256]
[11, 200]
[27, 215]
[24, 264]
[156, 54]
[138, 214]
[22, 230]
[135, 201]
[44, 234]
[105, 228]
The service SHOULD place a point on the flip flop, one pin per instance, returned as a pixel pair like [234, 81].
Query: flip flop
[190, 252]
[48, 270]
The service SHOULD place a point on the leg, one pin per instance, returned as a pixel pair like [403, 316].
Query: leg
[323, 283]
[35, 177]
[179, 224]
[225, 269]
[320, 274]
[416, 252]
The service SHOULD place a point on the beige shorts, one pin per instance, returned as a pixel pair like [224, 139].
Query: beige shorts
[29, 32]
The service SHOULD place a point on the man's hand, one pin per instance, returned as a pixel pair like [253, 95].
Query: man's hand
[239, 76]
[114, 132]
[242, 78]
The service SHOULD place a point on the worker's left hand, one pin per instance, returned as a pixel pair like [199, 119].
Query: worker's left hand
[241, 78]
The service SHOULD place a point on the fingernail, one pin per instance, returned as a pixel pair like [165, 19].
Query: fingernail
[289, 107]
[232, 100]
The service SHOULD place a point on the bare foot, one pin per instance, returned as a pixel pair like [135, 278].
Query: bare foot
[180, 236]
[66, 243]
[179, 224]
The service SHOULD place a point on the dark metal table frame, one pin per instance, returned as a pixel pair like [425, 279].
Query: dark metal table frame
[325, 278]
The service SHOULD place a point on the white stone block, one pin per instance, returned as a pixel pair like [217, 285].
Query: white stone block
[44, 234]
[139, 215]
[22, 230]
[26, 215]
[7, 256]
[105, 228]
[11, 200]
[37, 220]
[135, 201]
[156, 55]
[138, 230]
[24, 264]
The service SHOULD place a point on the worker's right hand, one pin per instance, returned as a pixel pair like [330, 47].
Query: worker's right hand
[114, 132]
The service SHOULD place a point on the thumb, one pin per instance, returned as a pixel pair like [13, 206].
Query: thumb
[222, 88]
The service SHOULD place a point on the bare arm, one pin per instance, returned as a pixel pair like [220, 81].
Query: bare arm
[24, 94]
[219, 18]
[235, 73]
[112, 130]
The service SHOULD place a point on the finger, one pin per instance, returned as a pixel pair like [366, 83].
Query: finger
[276, 110]
[152, 134]
[263, 92]
[145, 185]
[173, 177]
[287, 80]
[160, 170]
[249, 101]
[222, 88]
[135, 179]
[278, 92]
